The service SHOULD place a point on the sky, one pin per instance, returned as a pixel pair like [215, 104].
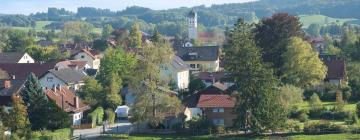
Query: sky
[32, 6]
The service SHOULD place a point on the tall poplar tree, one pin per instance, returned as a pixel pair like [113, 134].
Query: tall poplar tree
[135, 36]
[258, 106]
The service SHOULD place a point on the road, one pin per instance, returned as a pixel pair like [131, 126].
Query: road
[122, 126]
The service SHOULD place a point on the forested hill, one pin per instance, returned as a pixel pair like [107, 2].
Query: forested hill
[173, 21]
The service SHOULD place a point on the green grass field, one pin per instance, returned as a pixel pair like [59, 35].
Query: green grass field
[212, 137]
[322, 20]
[327, 137]
[329, 105]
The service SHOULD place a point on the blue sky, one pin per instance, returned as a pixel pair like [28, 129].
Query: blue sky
[31, 6]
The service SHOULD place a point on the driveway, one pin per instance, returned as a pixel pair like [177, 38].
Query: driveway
[122, 126]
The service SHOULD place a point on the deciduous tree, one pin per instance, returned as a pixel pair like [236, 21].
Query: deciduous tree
[302, 67]
[273, 35]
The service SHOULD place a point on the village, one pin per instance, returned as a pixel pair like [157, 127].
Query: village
[269, 79]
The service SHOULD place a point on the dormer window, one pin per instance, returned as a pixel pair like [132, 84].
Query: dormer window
[193, 55]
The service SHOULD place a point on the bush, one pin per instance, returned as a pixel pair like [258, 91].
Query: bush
[315, 113]
[177, 126]
[322, 127]
[199, 123]
[220, 129]
[358, 109]
[303, 117]
[97, 116]
[352, 119]
[110, 115]
[61, 134]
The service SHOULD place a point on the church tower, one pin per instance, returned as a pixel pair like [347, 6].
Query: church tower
[192, 19]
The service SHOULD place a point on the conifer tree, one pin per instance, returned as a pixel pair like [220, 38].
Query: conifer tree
[258, 106]
[135, 36]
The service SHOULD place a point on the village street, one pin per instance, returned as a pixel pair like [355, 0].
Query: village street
[121, 126]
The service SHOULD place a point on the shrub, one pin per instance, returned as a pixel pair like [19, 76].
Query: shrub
[358, 109]
[61, 134]
[177, 126]
[352, 119]
[303, 117]
[97, 116]
[199, 123]
[110, 115]
[315, 113]
[220, 129]
[322, 127]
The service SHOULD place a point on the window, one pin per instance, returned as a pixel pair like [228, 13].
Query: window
[82, 56]
[215, 110]
[218, 121]
[192, 65]
[198, 66]
[49, 79]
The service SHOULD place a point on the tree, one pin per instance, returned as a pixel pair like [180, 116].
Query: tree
[153, 99]
[156, 36]
[116, 67]
[100, 44]
[314, 29]
[43, 114]
[18, 41]
[4, 39]
[107, 30]
[290, 95]
[19, 117]
[258, 106]
[196, 85]
[273, 35]
[135, 36]
[76, 28]
[302, 67]
[92, 93]
[45, 54]
[315, 102]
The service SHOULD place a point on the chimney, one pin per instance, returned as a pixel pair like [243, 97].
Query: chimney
[54, 88]
[60, 88]
[76, 102]
[7, 84]
[13, 77]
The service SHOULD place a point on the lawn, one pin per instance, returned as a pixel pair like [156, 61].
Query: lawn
[209, 137]
[322, 20]
[326, 137]
[329, 105]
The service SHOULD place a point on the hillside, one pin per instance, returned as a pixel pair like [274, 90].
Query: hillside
[323, 20]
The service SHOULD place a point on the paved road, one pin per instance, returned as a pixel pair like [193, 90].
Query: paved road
[122, 126]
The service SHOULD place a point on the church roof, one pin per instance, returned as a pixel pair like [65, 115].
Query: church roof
[192, 13]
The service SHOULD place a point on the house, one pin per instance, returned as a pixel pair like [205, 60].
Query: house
[177, 71]
[22, 70]
[72, 64]
[336, 69]
[210, 78]
[68, 101]
[92, 57]
[15, 57]
[202, 58]
[70, 78]
[218, 108]
[9, 88]
[191, 101]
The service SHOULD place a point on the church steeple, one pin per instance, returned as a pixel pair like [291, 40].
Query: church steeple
[192, 21]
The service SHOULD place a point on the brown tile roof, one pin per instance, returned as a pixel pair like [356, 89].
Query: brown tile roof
[93, 53]
[336, 69]
[73, 63]
[209, 76]
[65, 99]
[11, 57]
[216, 101]
[21, 71]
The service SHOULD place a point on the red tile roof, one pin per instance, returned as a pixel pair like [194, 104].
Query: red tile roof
[68, 101]
[216, 101]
